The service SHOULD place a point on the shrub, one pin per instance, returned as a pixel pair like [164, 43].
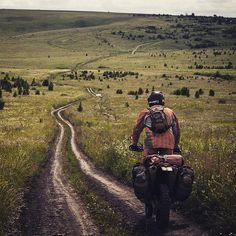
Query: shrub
[2, 104]
[211, 92]
[50, 86]
[80, 108]
[201, 92]
[136, 96]
[177, 92]
[37, 92]
[119, 91]
[140, 91]
[183, 91]
[15, 94]
[146, 91]
[108, 86]
[126, 104]
[222, 101]
[197, 95]
[45, 83]
[132, 92]
[0, 93]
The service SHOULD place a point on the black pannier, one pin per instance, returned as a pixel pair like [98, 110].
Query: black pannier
[184, 183]
[140, 182]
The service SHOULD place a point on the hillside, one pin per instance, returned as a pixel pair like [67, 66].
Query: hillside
[52, 58]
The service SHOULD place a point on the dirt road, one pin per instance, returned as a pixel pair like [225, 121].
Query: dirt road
[139, 46]
[53, 208]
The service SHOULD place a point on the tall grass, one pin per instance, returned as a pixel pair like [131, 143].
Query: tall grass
[207, 146]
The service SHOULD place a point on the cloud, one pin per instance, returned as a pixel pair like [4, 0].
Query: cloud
[199, 7]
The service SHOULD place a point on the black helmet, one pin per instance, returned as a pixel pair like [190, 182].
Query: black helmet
[156, 98]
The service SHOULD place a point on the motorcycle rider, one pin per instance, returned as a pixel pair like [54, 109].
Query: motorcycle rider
[164, 143]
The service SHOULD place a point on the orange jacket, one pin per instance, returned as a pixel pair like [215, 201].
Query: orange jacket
[168, 139]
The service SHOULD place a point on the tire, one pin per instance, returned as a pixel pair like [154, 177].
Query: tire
[163, 208]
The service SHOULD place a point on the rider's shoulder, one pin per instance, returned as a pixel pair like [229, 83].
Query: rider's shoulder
[168, 110]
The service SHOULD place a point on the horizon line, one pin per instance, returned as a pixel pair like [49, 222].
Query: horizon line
[116, 12]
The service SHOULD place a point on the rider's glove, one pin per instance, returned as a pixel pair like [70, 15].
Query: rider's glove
[135, 148]
[177, 150]
[132, 147]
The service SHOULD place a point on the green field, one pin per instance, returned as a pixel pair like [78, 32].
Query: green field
[77, 50]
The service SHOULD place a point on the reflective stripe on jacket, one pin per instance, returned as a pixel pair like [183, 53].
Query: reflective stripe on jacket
[168, 139]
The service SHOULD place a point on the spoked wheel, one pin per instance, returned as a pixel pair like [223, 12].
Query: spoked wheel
[163, 208]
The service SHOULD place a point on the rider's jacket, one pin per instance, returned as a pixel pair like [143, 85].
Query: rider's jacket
[168, 139]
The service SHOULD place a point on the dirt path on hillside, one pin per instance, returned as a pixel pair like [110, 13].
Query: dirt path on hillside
[124, 197]
[139, 46]
[53, 208]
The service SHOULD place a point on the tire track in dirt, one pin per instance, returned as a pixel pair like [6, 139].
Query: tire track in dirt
[178, 226]
[86, 225]
[52, 206]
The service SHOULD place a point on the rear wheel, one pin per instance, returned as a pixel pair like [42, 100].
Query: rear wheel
[163, 208]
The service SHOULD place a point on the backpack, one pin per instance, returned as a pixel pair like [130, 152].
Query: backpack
[156, 120]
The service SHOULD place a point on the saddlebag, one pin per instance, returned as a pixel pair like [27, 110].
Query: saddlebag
[140, 182]
[174, 159]
[184, 182]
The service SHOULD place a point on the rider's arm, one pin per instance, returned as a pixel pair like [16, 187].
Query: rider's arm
[138, 128]
[176, 130]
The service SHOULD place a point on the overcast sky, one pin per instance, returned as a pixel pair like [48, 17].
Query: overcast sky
[199, 7]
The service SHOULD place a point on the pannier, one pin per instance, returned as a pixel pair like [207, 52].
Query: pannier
[140, 182]
[184, 182]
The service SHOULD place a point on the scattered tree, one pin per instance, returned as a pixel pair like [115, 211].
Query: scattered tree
[140, 91]
[80, 108]
[211, 92]
[119, 91]
[201, 92]
[197, 95]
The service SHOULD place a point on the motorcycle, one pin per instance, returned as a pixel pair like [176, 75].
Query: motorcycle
[159, 181]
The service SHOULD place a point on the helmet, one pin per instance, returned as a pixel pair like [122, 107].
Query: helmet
[156, 98]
